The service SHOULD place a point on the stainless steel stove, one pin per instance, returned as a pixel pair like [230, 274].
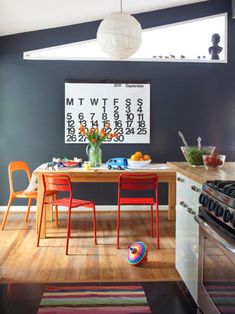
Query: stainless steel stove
[216, 274]
[218, 203]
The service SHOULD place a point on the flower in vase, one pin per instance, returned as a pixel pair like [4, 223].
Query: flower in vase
[96, 136]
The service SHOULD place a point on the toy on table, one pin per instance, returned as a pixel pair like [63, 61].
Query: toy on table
[58, 163]
[50, 165]
[137, 254]
[119, 163]
[71, 163]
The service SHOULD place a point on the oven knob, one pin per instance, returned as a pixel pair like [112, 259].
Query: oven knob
[233, 219]
[205, 200]
[211, 205]
[219, 211]
[201, 198]
[227, 215]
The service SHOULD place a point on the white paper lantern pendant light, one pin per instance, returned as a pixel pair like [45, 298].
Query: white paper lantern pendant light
[119, 35]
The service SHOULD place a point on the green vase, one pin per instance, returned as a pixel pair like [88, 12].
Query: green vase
[94, 154]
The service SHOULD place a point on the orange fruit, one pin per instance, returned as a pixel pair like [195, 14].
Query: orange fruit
[140, 159]
[134, 157]
[138, 154]
[146, 157]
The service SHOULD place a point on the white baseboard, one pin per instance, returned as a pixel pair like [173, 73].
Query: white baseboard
[98, 208]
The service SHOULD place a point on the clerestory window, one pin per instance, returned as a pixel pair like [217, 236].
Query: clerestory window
[198, 40]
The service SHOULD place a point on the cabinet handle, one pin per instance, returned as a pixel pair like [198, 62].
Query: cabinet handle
[195, 189]
[190, 211]
[183, 204]
[180, 179]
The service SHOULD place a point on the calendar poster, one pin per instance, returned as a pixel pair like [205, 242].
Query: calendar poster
[126, 106]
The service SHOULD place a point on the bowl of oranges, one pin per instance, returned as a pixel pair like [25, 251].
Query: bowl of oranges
[139, 160]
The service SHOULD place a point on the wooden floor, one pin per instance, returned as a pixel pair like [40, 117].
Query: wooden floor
[22, 261]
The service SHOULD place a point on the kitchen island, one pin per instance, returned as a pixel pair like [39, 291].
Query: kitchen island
[189, 181]
[201, 174]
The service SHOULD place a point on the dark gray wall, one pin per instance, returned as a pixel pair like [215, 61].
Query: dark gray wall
[198, 99]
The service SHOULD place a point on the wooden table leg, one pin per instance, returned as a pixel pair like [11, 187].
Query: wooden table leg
[49, 209]
[171, 200]
[39, 207]
[48, 213]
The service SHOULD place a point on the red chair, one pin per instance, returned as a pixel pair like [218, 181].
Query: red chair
[62, 183]
[138, 182]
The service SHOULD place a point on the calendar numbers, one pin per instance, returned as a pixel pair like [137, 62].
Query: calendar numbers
[71, 138]
[141, 130]
[81, 138]
[130, 131]
[126, 107]
[70, 128]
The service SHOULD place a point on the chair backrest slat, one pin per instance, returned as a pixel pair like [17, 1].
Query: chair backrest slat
[138, 182]
[58, 183]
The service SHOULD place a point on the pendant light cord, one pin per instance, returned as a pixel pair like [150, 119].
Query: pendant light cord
[121, 5]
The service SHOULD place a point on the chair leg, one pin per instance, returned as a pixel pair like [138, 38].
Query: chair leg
[11, 198]
[28, 210]
[56, 211]
[118, 226]
[151, 221]
[68, 230]
[94, 223]
[40, 223]
[157, 227]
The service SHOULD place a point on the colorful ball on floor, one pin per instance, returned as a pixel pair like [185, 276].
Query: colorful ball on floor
[137, 254]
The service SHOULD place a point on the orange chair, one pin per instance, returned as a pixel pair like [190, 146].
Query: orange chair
[62, 183]
[138, 182]
[21, 166]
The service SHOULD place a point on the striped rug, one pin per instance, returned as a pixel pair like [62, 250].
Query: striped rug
[222, 295]
[89, 299]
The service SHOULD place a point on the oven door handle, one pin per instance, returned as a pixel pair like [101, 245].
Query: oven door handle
[208, 229]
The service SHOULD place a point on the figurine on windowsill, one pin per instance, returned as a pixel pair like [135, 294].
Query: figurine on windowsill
[215, 49]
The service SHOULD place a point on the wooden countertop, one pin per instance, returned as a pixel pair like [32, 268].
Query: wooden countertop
[201, 175]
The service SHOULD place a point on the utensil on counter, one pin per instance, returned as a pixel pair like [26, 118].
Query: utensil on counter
[183, 139]
[199, 143]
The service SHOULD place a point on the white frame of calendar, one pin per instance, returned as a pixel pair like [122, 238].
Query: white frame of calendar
[125, 105]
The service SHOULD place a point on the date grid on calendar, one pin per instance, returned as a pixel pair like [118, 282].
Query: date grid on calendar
[125, 109]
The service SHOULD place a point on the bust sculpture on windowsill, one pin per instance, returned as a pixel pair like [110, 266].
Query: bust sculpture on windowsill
[215, 49]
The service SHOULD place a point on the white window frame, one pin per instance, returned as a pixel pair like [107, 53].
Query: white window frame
[33, 54]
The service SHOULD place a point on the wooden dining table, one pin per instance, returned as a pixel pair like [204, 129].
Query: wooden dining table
[165, 174]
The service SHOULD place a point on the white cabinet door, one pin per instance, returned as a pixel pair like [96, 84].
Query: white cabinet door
[196, 190]
[187, 231]
[181, 258]
[192, 234]
[181, 207]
